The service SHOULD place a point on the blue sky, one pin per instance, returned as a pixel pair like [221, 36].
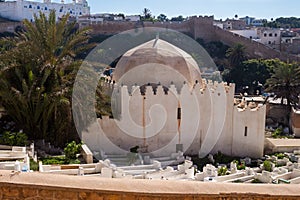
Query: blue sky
[219, 8]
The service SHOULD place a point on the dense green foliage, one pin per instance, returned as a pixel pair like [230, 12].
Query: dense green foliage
[71, 150]
[59, 160]
[34, 165]
[240, 165]
[13, 138]
[280, 155]
[267, 165]
[285, 82]
[218, 157]
[277, 133]
[284, 22]
[38, 68]
[222, 171]
[255, 75]
[236, 55]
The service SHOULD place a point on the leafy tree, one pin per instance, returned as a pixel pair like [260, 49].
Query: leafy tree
[251, 73]
[284, 22]
[38, 69]
[162, 18]
[178, 19]
[285, 82]
[255, 73]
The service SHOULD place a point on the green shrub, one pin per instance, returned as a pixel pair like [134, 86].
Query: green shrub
[13, 138]
[57, 160]
[222, 171]
[277, 133]
[280, 155]
[223, 158]
[76, 161]
[239, 165]
[34, 165]
[71, 150]
[267, 165]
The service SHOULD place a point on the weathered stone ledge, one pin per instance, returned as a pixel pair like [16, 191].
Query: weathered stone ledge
[49, 186]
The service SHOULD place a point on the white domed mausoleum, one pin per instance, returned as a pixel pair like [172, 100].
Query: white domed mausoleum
[161, 104]
[163, 60]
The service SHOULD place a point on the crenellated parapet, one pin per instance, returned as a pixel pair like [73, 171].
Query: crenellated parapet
[217, 88]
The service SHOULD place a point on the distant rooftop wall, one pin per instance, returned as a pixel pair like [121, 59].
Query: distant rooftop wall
[198, 27]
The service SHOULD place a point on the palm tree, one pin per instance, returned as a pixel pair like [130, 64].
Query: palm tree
[37, 74]
[236, 55]
[146, 13]
[285, 82]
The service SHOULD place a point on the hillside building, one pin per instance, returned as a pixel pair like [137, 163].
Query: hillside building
[21, 9]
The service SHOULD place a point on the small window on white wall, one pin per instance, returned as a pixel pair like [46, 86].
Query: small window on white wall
[246, 131]
[178, 113]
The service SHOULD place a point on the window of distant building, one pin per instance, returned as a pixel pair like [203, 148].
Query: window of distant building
[30, 6]
[38, 7]
[275, 34]
[250, 37]
[25, 6]
[270, 34]
[80, 13]
[270, 42]
[265, 35]
[46, 8]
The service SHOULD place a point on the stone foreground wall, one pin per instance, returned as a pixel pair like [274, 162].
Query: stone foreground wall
[34, 192]
[37, 186]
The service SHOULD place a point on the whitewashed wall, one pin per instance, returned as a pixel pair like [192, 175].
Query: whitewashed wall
[204, 111]
[20, 9]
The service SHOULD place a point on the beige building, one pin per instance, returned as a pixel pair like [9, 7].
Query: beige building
[161, 104]
[270, 37]
[295, 121]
